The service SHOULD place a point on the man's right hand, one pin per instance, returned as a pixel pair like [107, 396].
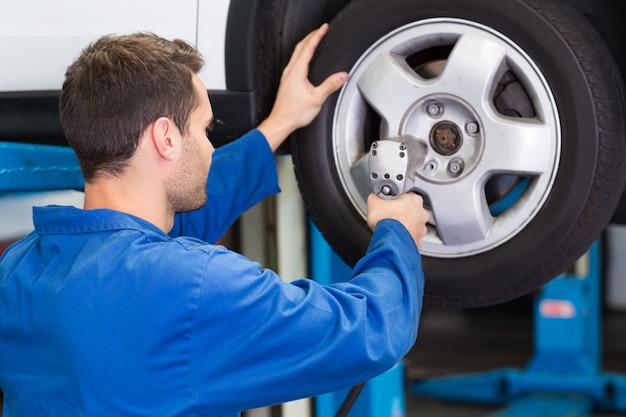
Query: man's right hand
[407, 208]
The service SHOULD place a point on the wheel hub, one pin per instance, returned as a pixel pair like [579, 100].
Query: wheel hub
[452, 131]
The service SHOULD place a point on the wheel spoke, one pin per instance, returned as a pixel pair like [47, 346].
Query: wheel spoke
[518, 146]
[359, 172]
[391, 87]
[460, 213]
[473, 68]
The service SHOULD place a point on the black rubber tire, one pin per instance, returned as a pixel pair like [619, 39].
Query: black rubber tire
[590, 97]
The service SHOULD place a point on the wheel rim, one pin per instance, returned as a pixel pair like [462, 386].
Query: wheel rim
[485, 113]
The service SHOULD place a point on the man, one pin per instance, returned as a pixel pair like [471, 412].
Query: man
[122, 309]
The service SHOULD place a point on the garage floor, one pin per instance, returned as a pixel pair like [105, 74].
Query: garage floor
[453, 342]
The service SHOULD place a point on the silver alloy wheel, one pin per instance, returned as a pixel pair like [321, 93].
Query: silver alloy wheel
[450, 106]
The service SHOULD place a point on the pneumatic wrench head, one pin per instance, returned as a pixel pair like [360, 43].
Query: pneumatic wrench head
[393, 163]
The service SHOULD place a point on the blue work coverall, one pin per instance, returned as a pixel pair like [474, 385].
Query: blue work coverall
[103, 314]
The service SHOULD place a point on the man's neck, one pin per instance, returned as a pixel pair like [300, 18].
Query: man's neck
[129, 197]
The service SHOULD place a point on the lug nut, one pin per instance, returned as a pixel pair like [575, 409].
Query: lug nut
[471, 127]
[455, 167]
[434, 109]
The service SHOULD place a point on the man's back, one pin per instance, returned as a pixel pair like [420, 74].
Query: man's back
[94, 310]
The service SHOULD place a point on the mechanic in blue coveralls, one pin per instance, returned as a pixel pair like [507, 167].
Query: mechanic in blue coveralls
[123, 309]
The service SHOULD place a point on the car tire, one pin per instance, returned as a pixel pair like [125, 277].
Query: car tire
[540, 84]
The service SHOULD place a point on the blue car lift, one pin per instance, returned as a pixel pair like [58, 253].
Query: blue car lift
[564, 377]
[26, 168]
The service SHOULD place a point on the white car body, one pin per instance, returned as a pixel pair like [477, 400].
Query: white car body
[42, 37]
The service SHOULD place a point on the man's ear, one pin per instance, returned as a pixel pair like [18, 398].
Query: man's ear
[165, 137]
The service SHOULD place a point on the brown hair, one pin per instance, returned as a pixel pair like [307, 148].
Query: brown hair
[116, 88]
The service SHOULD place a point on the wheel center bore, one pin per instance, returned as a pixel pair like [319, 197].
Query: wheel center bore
[446, 138]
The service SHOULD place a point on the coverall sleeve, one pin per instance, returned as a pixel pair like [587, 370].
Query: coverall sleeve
[242, 173]
[281, 341]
